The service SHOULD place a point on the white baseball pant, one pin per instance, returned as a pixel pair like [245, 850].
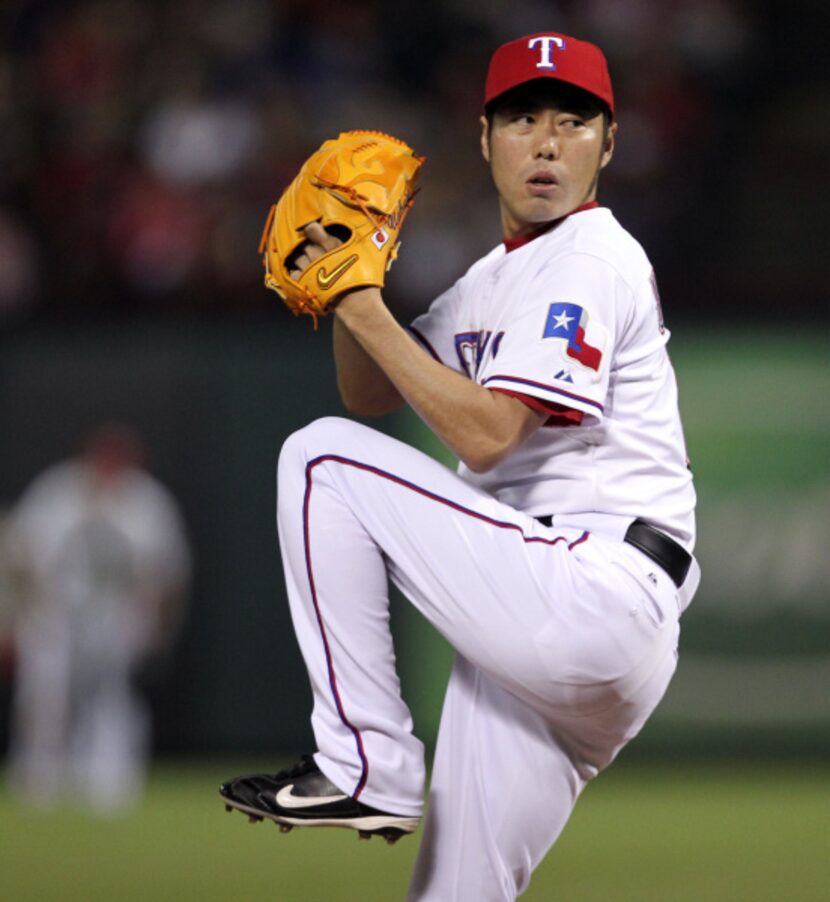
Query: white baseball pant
[566, 642]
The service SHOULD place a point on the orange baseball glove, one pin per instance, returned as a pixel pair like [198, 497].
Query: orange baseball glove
[359, 187]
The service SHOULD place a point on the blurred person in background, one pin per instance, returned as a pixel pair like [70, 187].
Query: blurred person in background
[102, 564]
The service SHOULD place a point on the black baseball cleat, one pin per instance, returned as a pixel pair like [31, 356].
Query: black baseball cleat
[302, 796]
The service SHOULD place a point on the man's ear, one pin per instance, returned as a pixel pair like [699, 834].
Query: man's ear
[608, 150]
[485, 138]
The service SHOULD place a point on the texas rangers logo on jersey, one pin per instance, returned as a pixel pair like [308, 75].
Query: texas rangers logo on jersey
[570, 321]
[471, 348]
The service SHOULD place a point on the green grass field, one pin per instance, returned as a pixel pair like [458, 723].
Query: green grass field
[726, 833]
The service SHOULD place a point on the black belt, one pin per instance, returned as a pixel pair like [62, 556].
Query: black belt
[665, 552]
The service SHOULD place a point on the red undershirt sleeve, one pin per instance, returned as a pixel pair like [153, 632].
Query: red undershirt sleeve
[558, 414]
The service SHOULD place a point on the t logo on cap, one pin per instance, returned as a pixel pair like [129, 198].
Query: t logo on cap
[547, 41]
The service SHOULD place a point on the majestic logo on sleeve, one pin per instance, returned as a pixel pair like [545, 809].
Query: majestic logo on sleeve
[570, 322]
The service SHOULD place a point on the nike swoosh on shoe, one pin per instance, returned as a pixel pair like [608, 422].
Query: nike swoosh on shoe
[286, 799]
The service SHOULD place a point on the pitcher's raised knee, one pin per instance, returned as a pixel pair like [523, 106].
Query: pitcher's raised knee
[326, 435]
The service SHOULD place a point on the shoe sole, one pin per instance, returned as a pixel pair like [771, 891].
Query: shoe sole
[390, 828]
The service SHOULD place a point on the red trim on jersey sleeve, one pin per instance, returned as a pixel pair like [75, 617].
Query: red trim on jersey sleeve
[558, 414]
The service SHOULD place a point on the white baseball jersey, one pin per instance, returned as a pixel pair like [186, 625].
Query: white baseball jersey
[571, 320]
[92, 549]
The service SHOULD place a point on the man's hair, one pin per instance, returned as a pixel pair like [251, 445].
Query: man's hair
[548, 89]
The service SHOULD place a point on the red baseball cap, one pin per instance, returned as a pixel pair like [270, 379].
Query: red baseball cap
[549, 55]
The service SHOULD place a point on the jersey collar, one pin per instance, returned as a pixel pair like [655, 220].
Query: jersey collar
[511, 244]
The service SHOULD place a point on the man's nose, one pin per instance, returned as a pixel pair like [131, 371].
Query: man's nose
[547, 147]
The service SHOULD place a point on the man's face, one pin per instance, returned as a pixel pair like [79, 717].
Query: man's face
[546, 148]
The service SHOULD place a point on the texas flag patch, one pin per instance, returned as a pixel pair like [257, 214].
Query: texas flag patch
[570, 321]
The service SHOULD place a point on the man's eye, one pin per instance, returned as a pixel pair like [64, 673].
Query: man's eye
[523, 118]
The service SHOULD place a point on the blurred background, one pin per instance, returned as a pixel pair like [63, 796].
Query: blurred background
[141, 145]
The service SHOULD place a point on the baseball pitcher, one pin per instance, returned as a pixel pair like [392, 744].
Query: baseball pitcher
[557, 560]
